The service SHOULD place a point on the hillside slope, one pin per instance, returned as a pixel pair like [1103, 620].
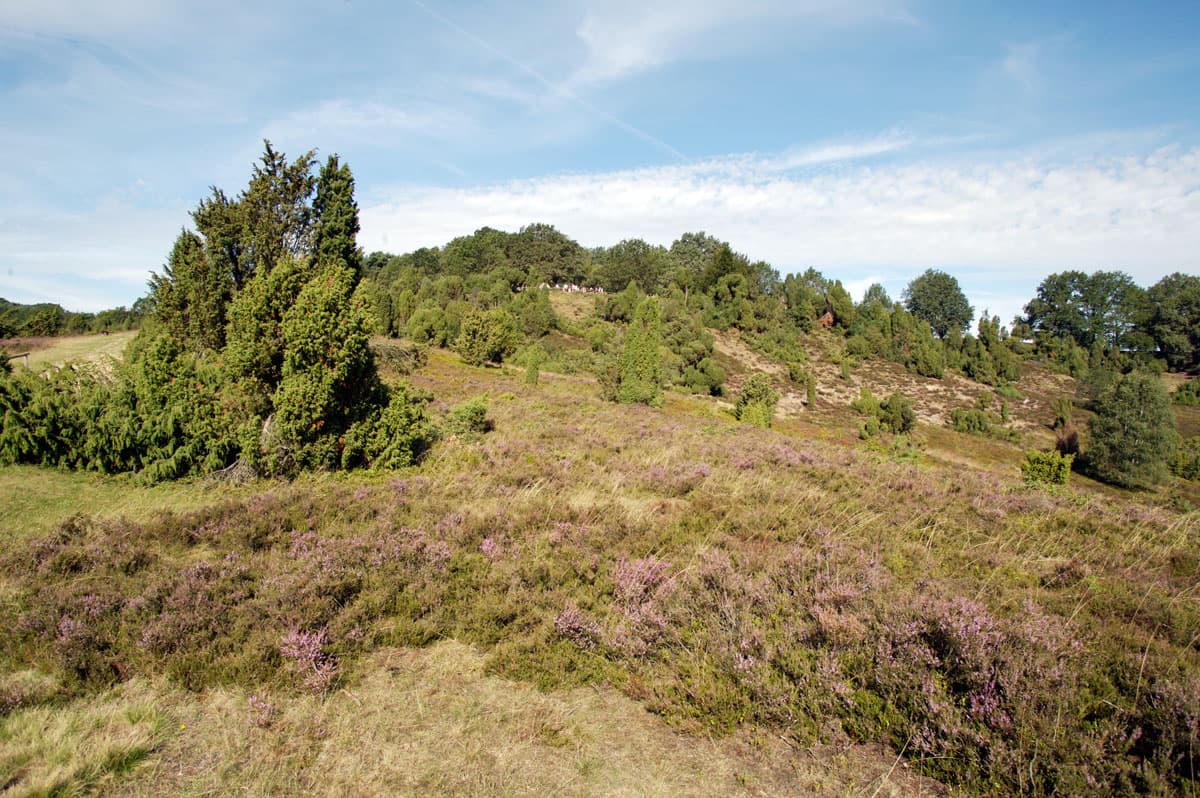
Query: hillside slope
[808, 611]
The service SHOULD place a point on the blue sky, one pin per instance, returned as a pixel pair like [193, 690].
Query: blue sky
[996, 141]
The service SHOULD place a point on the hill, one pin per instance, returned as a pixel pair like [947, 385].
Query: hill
[801, 610]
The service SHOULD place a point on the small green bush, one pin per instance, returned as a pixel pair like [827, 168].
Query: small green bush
[469, 417]
[894, 414]
[756, 403]
[1187, 394]
[487, 337]
[1062, 412]
[1186, 464]
[972, 421]
[1049, 468]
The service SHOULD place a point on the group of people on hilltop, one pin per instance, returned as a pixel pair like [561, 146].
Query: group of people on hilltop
[571, 288]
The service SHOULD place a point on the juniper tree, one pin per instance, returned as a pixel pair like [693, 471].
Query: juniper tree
[756, 403]
[640, 370]
[335, 216]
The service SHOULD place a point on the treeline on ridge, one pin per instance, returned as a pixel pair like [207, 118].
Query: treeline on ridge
[46, 319]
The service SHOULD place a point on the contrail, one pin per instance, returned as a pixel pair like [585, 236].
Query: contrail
[551, 85]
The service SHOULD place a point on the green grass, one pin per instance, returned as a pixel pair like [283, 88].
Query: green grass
[37, 498]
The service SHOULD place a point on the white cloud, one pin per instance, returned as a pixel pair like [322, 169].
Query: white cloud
[835, 151]
[1000, 227]
[627, 37]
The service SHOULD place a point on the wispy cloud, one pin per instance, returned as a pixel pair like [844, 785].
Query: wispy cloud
[88, 260]
[559, 89]
[840, 151]
[624, 38]
[344, 120]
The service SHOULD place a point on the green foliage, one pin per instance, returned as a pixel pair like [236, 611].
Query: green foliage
[1187, 394]
[1173, 319]
[690, 256]
[163, 417]
[632, 261]
[254, 352]
[1186, 464]
[1087, 309]
[1062, 412]
[1048, 468]
[756, 403]
[394, 436]
[987, 359]
[429, 324]
[895, 414]
[689, 360]
[45, 319]
[534, 356]
[935, 297]
[545, 255]
[1131, 434]
[640, 368]
[469, 417]
[190, 296]
[533, 312]
[487, 337]
[925, 356]
[275, 214]
[973, 421]
[619, 306]
[329, 381]
[335, 215]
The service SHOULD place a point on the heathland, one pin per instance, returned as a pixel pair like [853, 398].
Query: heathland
[513, 517]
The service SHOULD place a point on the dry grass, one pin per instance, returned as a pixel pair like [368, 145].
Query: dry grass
[432, 722]
[575, 307]
[82, 747]
[45, 352]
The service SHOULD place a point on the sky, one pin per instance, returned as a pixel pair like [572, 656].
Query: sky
[870, 139]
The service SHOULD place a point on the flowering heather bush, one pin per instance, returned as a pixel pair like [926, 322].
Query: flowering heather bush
[306, 658]
[492, 548]
[262, 711]
[575, 625]
[640, 590]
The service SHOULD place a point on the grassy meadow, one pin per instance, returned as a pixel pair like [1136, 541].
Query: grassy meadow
[596, 599]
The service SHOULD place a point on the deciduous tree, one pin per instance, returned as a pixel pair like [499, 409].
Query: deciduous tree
[936, 298]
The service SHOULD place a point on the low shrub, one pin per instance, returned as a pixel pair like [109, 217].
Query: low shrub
[894, 414]
[756, 403]
[1186, 464]
[1049, 468]
[469, 417]
[1188, 393]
